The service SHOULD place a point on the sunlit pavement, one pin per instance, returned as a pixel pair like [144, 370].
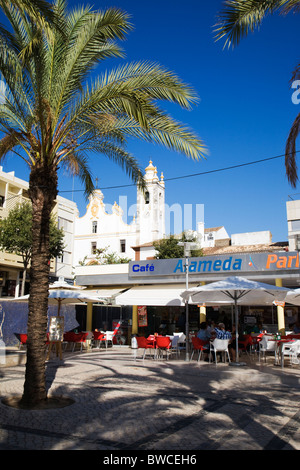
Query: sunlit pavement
[125, 403]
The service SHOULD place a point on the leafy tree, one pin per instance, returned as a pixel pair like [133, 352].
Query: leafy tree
[16, 237]
[168, 247]
[236, 20]
[54, 115]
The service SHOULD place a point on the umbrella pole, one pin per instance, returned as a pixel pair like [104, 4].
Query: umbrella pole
[237, 363]
[58, 309]
[187, 332]
[236, 330]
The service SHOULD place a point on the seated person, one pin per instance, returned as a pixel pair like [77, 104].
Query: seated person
[257, 328]
[203, 333]
[296, 328]
[210, 326]
[221, 333]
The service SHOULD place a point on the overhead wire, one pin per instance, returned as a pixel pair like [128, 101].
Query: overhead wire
[232, 167]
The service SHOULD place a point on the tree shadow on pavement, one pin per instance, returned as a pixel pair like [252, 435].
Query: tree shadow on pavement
[122, 403]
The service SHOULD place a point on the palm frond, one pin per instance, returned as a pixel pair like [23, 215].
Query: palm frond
[121, 157]
[60, 117]
[296, 74]
[77, 164]
[290, 153]
[238, 18]
[90, 40]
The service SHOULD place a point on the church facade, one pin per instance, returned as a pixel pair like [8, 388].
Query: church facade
[100, 228]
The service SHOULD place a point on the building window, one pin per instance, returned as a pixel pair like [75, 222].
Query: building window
[65, 224]
[94, 226]
[2, 201]
[295, 224]
[93, 248]
[147, 197]
[123, 246]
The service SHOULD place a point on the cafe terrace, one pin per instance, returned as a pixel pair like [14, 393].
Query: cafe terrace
[157, 285]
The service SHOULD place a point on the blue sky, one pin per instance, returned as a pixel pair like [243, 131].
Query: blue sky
[244, 115]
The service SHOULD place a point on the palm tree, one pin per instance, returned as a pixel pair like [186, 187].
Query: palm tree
[54, 115]
[237, 19]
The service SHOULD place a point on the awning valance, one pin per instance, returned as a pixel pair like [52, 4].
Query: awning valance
[156, 295]
[107, 294]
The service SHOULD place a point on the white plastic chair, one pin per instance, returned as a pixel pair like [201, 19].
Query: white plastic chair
[219, 345]
[174, 348]
[181, 340]
[266, 345]
[292, 350]
[108, 336]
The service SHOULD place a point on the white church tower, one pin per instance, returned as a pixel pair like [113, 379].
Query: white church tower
[151, 207]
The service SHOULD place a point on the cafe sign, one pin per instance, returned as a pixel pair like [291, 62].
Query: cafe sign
[233, 264]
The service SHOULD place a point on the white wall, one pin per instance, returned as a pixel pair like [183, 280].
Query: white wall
[251, 238]
[110, 230]
[66, 213]
[293, 220]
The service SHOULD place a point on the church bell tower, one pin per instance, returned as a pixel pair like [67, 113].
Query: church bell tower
[151, 207]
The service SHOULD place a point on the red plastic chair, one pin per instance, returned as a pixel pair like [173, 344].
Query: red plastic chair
[69, 338]
[144, 343]
[198, 345]
[245, 344]
[98, 337]
[79, 338]
[163, 344]
[75, 338]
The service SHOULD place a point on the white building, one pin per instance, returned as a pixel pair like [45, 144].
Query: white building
[293, 220]
[66, 213]
[209, 236]
[14, 191]
[99, 229]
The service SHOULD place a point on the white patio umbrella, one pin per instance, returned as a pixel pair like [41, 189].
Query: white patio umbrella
[237, 291]
[293, 297]
[62, 284]
[67, 295]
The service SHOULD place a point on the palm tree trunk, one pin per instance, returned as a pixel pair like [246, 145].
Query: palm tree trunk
[42, 192]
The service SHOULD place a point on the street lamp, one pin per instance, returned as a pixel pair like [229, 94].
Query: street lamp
[187, 247]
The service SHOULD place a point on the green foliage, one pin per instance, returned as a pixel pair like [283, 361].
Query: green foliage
[52, 114]
[238, 18]
[168, 247]
[103, 256]
[15, 234]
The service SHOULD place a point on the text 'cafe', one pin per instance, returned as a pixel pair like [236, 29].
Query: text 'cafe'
[156, 286]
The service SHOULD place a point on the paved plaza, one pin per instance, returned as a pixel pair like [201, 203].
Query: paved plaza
[125, 403]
